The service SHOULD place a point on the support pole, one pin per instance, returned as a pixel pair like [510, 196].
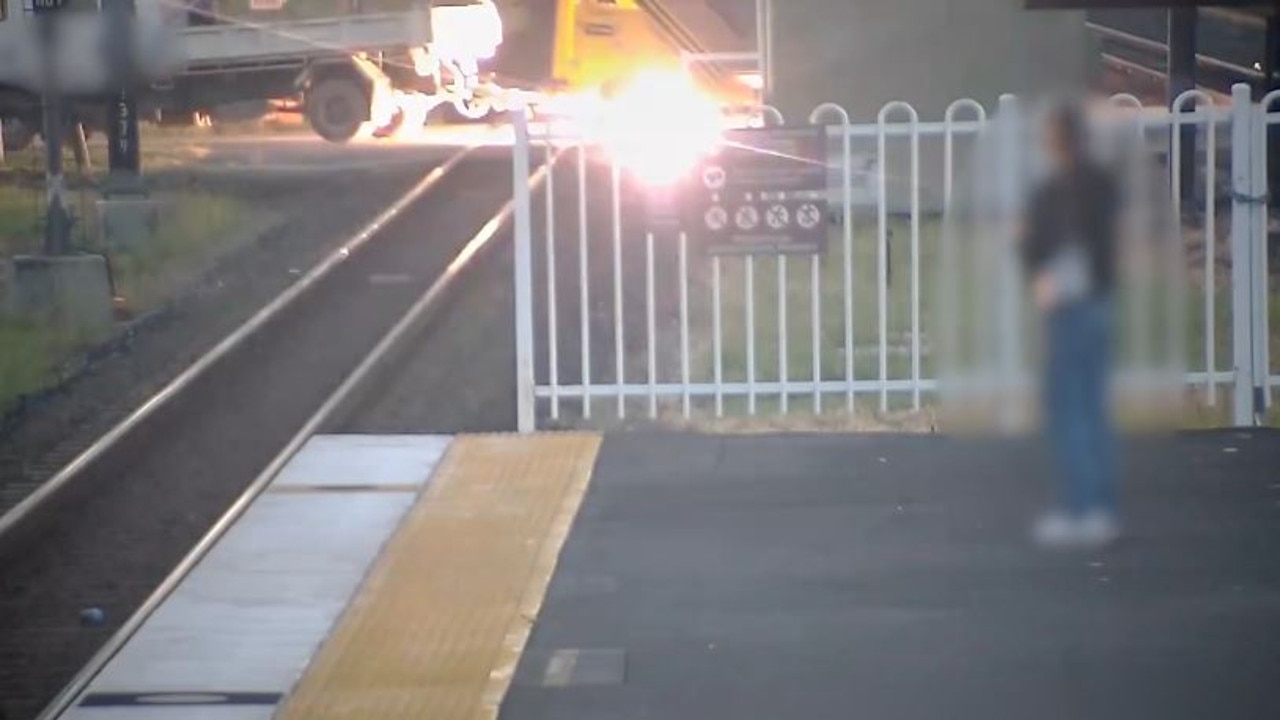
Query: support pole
[1242, 253]
[526, 421]
[764, 47]
[57, 227]
[123, 141]
[1271, 81]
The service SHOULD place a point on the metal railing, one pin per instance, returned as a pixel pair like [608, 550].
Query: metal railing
[631, 322]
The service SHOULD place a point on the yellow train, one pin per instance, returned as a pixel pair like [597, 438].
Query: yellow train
[601, 45]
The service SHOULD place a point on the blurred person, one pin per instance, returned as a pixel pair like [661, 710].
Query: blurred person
[1069, 254]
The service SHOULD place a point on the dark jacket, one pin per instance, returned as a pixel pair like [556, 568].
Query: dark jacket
[1082, 207]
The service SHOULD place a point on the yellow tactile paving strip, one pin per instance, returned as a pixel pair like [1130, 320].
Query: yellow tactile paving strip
[438, 626]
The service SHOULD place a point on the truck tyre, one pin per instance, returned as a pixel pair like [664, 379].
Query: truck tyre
[18, 134]
[337, 108]
[470, 110]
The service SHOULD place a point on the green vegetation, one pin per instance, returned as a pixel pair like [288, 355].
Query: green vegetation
[19, 220]
[30, 354]
[831, 345]
[188, 238]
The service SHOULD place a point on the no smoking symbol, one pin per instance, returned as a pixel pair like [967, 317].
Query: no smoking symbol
[808, 216]
[716, 217]
[778, 217]
[714, 177]
[747, 217]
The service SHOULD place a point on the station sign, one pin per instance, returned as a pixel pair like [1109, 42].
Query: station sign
[765, 191]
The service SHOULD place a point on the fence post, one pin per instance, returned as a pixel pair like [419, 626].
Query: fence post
[1242, 354]
[525, 392]
[1258, 270]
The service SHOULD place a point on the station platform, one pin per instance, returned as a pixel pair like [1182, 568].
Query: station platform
[689, 576]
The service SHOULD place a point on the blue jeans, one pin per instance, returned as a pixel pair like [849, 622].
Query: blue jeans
[1078, 407]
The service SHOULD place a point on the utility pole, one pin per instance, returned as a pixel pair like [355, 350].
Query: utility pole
[123, 142]
[764, 46]
[57, 227]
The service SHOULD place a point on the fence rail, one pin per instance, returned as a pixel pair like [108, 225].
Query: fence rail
[915, 296]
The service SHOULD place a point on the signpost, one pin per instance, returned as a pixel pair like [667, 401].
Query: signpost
[764, 192]
[57, 227]
[123, 151]
[764, 46]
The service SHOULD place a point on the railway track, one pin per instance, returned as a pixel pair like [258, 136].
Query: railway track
[115, 529]
[1135, 50]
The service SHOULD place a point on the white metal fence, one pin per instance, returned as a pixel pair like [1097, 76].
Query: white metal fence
[916, 288]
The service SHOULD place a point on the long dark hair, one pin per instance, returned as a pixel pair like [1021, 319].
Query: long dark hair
[1068, 122]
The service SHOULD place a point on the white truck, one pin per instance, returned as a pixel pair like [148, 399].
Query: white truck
[348, 73]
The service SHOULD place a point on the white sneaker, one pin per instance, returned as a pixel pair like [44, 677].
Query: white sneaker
[1056, 530]
[1098, 528]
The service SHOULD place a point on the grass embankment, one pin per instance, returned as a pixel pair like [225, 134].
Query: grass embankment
[35, 354]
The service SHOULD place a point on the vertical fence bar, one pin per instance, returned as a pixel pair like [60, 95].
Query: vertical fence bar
[913, 120]
[1211, 249]
[1179, 312]
[815, 307]
[1139, 275]
[1138, 301]
[949, 266]
[749, 293]
[1009, 177]
[849, 305]
[717, 322]
[584, 281]
[1263, 181]
[783, 370]
[620, 365]
[1258, 270]
[846, 221]
[915, 265]
[553, 317]
[1241, 179]
[685, 400]
[525, 382]
[882, 267]
[652, 325]
[1210, 246]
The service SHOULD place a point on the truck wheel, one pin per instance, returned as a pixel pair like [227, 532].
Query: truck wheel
[471, 109]
[337, 108]
[18, 135]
